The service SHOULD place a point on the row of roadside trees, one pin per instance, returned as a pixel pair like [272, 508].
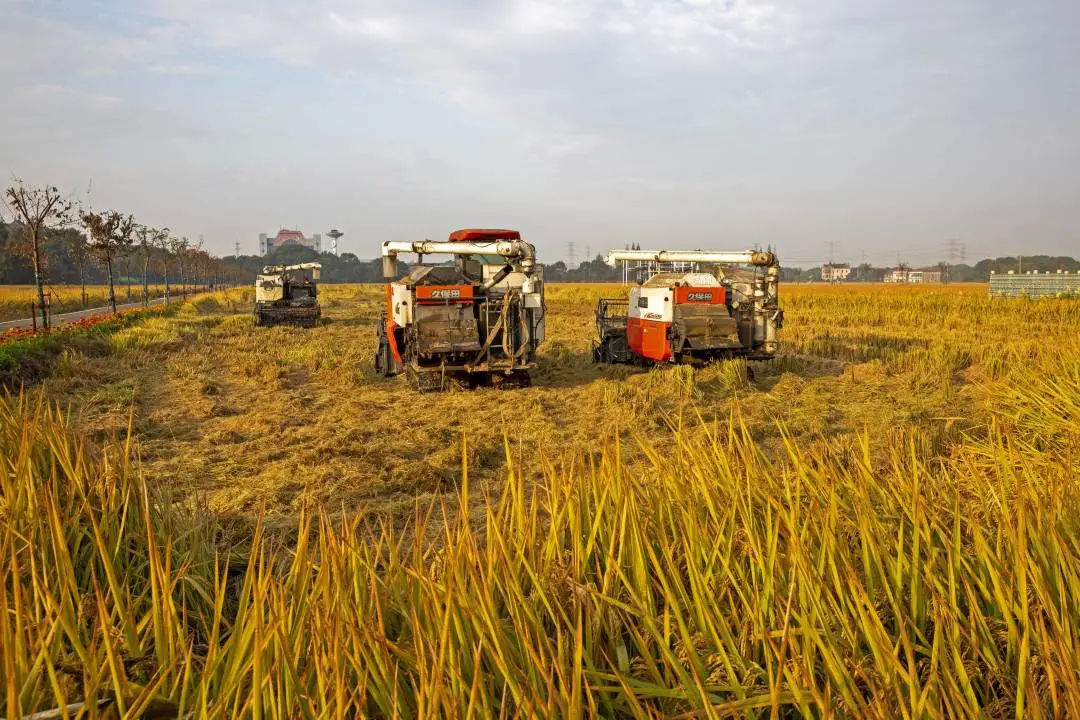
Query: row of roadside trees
[110, 239]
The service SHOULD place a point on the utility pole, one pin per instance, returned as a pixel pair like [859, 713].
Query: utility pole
[571, 255]
[237, 255]
[952, 251]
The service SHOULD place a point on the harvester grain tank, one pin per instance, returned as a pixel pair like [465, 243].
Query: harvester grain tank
[727, 307]
[477, 318]
[288, 294]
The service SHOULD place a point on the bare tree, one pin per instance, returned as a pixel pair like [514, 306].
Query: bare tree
[179, 247]
[165, 241]
[37, 209]
[79, 253]
[150, 238]
[110, 237]
[195, 254]
[125, 264]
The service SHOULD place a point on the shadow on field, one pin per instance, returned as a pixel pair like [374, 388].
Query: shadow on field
[561, 367]
[769, 372]
[367, 321]
[861, 347]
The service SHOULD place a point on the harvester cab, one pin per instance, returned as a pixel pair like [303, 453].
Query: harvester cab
[288, 294]
[478, 318]
[694, 307]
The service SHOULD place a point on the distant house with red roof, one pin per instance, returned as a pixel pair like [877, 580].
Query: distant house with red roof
[268, 244]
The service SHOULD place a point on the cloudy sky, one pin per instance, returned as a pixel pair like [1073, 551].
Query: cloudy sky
[880, 127]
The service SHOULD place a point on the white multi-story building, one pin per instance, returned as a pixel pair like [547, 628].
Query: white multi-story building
[835, 272]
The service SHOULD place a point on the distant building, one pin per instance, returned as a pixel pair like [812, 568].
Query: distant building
[835, 272]
[288, 237]
[1034, 284]
[904, 275]
[931, 275]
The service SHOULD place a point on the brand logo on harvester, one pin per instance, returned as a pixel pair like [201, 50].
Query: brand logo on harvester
[699, 296]
[446, 294]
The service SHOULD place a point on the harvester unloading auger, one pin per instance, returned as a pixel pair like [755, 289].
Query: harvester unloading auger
[478, 320]
[727, 307]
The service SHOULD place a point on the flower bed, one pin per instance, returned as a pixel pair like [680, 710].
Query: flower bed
[83, 323]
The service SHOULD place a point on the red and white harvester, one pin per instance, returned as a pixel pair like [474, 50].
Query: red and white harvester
[478, 318]
[725, 307]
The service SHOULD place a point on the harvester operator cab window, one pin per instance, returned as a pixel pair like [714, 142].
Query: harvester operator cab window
[643, 301]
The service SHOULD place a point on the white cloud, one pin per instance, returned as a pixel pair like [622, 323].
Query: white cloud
[538, 17]
[764, 111]
[381, 28]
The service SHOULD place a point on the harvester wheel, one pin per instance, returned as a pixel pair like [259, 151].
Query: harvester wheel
[385, 363]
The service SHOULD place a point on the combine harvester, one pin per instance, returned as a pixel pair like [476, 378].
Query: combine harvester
[727, 309]
[477, 319]
[282, 298]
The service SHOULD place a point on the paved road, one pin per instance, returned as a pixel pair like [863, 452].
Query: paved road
[65, 318]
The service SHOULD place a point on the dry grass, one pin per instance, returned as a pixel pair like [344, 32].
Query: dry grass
[882, 523]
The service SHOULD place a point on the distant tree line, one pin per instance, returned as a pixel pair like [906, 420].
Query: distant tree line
[45, 239]
[979, 272]
[343, 268]
[349, 268]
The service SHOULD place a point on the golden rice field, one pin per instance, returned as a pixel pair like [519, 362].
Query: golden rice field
[15, 299]
[200, 518]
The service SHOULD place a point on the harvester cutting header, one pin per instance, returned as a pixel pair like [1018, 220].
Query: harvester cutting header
[477, 318]
[725, 306]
